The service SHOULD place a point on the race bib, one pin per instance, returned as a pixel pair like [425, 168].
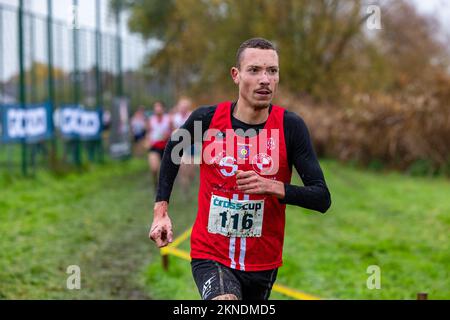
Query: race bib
[238, 218]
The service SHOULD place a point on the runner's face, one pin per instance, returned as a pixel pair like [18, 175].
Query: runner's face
[257, 77]
[158, 109]
[184, 105]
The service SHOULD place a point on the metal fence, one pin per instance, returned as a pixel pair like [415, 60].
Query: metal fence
[44, 60]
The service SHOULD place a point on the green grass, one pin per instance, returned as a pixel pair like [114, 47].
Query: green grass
[394, 221]
[99, 220]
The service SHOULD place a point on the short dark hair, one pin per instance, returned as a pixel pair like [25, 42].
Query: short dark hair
[258, 43]
[160, 102]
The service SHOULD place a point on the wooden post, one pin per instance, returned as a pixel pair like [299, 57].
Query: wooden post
[165, 262]
[422, 296]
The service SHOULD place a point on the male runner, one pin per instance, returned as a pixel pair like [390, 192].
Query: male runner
[186, 171]
[182, 112]
[158, 132]
[237, 238]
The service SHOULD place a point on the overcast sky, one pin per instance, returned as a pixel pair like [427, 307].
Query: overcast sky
[437, 8]
[62, 11]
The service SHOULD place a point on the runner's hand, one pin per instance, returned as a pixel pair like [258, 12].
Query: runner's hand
[161, 229]
[252, 183]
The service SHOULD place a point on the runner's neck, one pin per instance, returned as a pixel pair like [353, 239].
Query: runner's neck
[250, 115]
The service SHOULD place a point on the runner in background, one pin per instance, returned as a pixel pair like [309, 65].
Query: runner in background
[158, 132]
[187, 169]
[182, 112]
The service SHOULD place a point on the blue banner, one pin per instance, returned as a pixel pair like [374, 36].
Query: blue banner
[74, 121]
[30, 124]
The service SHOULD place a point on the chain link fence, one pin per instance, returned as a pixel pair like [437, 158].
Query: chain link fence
[55, 64]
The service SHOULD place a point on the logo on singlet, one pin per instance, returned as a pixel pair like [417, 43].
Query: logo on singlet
[271, 144]
[228, 166]
[243, 152]
[262, 163]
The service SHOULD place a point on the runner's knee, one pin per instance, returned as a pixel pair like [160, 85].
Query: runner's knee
[226, 297]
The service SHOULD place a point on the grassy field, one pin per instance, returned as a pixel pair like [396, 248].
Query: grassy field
[398, 223]
[99, 220]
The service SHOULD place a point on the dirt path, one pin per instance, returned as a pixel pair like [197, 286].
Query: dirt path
[113, 265]
[113, 270]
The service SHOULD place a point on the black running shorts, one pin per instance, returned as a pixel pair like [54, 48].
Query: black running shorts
[157, 150]
[214, 279]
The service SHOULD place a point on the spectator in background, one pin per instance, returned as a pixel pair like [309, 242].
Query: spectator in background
[106, 119]
[138, 129]
[138, 124]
